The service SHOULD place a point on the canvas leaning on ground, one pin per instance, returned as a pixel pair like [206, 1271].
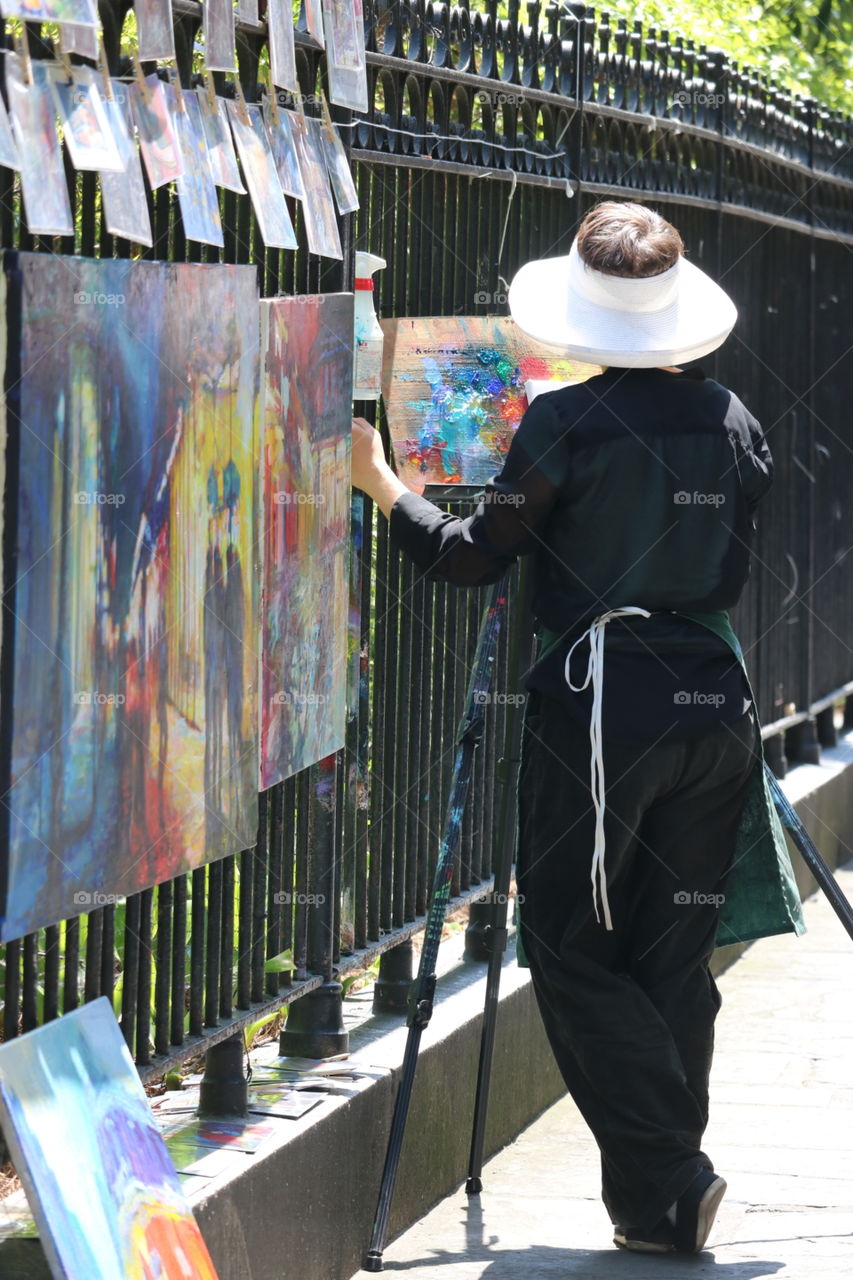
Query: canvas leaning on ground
[71, 1100]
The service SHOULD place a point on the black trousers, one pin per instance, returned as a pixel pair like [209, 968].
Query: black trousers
[630, 1013]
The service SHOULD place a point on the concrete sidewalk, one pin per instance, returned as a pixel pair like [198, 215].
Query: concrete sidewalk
[781, 1133]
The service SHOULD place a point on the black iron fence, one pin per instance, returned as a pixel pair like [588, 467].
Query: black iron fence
[488, 139]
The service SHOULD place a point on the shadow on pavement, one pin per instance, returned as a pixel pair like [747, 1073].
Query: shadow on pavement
[545, 1262]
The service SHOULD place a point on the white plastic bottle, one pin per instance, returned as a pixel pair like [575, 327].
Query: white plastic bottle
[369, 339]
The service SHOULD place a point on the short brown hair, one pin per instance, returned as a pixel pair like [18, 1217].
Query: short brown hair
[621, 239]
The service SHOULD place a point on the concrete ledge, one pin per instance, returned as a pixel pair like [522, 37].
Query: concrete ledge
[303, 1205]
[306, 1207]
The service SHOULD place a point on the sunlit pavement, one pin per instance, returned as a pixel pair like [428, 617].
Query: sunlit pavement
[781, 1134]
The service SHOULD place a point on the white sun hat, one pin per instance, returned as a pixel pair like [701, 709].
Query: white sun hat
[670, 318]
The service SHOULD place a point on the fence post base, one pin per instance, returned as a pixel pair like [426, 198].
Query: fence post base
[315, 1026]
[802, 742]
[827, 734]
[774, 754]
[481, 917]
[224, 1090]
[396, 974]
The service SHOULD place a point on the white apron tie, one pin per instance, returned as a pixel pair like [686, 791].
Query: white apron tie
[595, 673]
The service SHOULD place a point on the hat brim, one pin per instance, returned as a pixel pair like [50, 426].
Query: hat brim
[698, 319]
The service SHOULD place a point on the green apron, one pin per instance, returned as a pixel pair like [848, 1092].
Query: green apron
[762, 898]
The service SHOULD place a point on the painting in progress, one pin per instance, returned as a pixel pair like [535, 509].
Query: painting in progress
[454, 390]
[306, 423]
[134, 720]
[71, 1103]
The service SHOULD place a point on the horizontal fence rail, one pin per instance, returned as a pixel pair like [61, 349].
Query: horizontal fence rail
[487, 139]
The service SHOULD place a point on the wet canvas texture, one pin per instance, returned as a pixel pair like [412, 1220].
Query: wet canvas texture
[454, 389]
[71, 1099]
[132, 421]
[307, 344]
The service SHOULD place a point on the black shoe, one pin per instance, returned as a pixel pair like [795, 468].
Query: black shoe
[658, 1239]
[697, 1208]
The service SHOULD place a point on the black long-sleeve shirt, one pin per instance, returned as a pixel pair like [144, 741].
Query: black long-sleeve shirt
[638, 487]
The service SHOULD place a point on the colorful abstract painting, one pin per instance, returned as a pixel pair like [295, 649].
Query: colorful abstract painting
[103, 1191]
[306, 422]
[85, 125]
[220, 144]
[282, 47]
[8, 147]
[82, 40]
[43, 183]
[132, 422]
[343, 21]
[156, 34]
[337, 165]
[220, 50]
[280, 132]
[318, 207]
[124, 200]
[268, 202]
[82, 12]
[454, 394]
[197, 194]
[160, 149]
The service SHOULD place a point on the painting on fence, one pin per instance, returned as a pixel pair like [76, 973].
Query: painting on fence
[306, 423]
[83, 13]
[85, 125]
[43, 183]
[197, 194]
[132, 414]
[454, 390]
[256, 157]
[98, 1177]
[123, 194]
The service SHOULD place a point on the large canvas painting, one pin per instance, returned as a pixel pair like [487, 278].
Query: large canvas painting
[454, 390]
[132, 414]
[98, 1177]
[307, 344]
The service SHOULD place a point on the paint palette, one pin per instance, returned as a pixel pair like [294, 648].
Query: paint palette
[454, 390]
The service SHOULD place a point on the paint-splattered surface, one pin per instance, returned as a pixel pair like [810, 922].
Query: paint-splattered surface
[454, 394]
[306, 537]
[98, 1177]
[134, 718]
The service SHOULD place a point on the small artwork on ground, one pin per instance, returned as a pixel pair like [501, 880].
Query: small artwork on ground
[455, 392]
[103, 1191]
[133, 418]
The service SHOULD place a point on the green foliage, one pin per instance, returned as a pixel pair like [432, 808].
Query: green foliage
[806, 48]
[282, 963]
[255, 1028]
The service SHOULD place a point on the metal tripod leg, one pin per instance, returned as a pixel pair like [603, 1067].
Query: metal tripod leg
[423, 988]
[520, 648]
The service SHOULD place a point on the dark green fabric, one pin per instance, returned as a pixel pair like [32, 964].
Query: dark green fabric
[761, 892]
